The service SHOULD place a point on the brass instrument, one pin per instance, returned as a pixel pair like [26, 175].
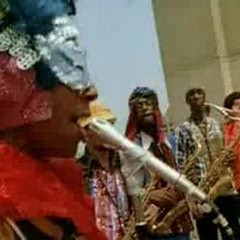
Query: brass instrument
[220, 166]
[182, 206]
[233, 116]
[139, 202]
[190, 162]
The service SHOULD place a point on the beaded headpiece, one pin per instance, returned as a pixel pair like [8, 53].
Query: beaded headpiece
[43, 36]
[39, 38]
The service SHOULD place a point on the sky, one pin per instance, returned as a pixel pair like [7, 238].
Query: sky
[122, 51]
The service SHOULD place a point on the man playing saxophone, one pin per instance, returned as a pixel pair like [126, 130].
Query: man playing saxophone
[207, 166]
[145, 127]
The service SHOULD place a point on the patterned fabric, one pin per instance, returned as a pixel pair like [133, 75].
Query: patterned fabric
[17, 45]
[231, 132]
[185, 144]
[56, 53]
[142, 176]
[139, 177]
[31, 188]
[108, 190]
[111, 205]
[20, 100]
[188, 135]
[160, 147]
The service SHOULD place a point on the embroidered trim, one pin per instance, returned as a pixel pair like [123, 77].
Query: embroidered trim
[17, 44]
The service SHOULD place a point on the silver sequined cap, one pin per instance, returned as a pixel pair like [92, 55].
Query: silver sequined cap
[61, 50]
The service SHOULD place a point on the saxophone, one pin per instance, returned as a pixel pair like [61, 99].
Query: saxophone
[221, 166]
[139, 202]
[182, 207]
[137, 224]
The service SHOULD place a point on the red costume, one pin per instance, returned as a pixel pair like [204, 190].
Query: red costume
[231, 132]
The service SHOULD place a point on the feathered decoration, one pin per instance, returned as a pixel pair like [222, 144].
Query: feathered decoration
[36, 16]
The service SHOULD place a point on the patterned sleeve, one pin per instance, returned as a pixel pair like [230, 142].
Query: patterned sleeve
[185, 145]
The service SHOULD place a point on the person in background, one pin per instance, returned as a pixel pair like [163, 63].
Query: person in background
[145, 128]
[232, 130]
[226, 190]
[104, 181]
[199, 136]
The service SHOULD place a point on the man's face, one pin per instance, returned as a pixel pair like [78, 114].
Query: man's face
[196, 101]
[144, 108]
[59, 136]
[236, 107]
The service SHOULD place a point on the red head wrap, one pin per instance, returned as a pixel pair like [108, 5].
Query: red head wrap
[132, 125]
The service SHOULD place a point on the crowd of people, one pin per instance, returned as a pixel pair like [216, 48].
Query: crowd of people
[49, 192]
[145, 206]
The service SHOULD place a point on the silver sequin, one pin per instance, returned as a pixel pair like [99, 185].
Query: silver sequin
[61, 50]
[18, 46]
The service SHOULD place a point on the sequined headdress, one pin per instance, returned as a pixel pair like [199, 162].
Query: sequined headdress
[39, 47]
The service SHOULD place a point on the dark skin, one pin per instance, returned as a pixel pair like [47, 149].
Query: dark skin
[236, 108]
[198, 113]
[58, 136]
[196, 103]
[144, 109]
[164, 197]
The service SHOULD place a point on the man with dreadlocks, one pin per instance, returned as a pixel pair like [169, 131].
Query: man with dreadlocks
[145, 127]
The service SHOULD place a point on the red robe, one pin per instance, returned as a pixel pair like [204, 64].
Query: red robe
[231, 132]
[30, 188]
